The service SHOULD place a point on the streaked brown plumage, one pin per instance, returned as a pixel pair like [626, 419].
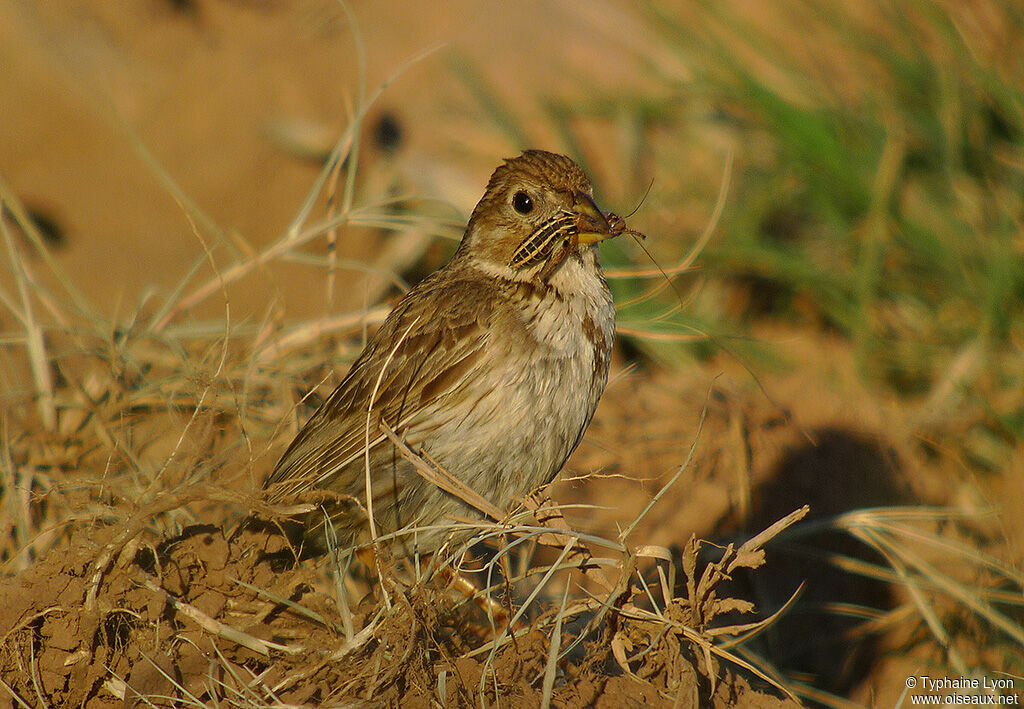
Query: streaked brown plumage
[492, 366]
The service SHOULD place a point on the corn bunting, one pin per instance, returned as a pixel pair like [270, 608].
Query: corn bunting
[489, 371]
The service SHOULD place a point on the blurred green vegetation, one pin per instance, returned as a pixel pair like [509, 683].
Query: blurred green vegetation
[877, 190]
[891, 205]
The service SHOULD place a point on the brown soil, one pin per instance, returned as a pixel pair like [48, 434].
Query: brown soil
[166, 621]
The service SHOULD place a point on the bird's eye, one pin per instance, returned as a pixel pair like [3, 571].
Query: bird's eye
[522, 203]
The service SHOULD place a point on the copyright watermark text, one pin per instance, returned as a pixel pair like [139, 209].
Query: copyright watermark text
[928, 690]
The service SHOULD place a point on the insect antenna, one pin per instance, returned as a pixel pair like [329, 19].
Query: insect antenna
[641, 202]
[716, 340]
[638, 237]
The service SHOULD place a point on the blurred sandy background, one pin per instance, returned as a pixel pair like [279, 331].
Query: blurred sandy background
[234, 98]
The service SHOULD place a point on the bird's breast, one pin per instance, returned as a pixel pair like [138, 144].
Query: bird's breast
[573, 315]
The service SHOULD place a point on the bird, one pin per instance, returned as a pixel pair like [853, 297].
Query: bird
[488, 370]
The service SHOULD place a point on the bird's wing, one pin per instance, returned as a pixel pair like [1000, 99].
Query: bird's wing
[427, 347]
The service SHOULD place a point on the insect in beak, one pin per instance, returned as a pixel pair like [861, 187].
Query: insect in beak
[554, 239]
[592, 225]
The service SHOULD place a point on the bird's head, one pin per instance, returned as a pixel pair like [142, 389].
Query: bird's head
[535, 206]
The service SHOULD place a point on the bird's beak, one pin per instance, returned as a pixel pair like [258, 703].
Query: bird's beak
[591, 223]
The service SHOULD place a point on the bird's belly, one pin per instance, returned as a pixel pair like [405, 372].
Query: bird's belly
[515, 436]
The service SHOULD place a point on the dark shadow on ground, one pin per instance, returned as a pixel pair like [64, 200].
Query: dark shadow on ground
[822, 638]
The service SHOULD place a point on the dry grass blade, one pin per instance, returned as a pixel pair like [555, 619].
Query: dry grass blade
[494, 646]
[746, 631]
[14, 695]
[263, 647]
[679, 471]
[929, 615]
[906, 548]
[345, 153]
[436, 475]
[18, 508]
[41, 374]
[740, 662]
[949, 586]
[290, 241]
[704, 605]
[191, 698]
[551, 669]
[549, 514]
[369, 415]
[884, 520]
[9, 201]
[658, 336]
[686, 263]
[281, 601]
